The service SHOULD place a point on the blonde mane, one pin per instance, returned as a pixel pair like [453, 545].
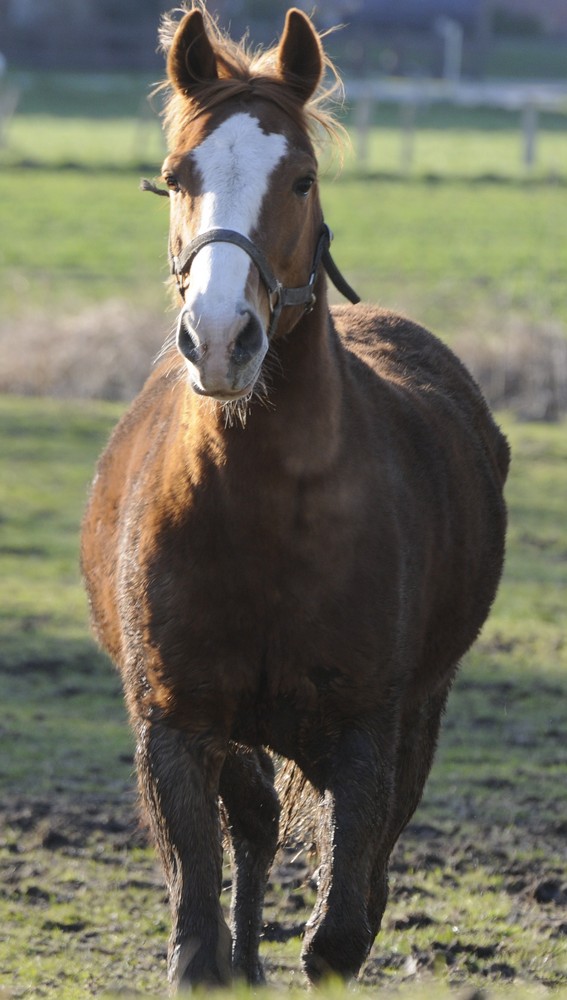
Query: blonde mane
[247, 72]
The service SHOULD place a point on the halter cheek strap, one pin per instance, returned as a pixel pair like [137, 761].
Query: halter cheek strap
[278, 295]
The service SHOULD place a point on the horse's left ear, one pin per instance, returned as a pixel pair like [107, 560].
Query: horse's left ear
[300, 55]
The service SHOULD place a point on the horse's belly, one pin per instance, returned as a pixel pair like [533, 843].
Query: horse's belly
[312, 675]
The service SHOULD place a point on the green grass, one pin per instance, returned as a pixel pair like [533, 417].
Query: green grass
[73, 95]
[81, 905]
[447, 253]
[525, 58]
[451, 142]
[84, 143]
[48, 454]
[77, 238]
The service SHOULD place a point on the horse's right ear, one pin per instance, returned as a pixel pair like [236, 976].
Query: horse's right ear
[191, 60]
[300, 55]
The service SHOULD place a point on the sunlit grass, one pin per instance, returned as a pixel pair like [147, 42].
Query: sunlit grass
[462, 151]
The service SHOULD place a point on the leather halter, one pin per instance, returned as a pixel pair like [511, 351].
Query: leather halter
[278, 295]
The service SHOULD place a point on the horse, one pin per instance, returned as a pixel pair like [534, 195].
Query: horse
[295, 532]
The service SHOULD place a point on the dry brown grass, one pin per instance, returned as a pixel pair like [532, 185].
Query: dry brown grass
[522, 368]
[106, 351]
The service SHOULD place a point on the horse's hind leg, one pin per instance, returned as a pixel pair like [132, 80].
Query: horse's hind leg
[178, 778]
[252, 808]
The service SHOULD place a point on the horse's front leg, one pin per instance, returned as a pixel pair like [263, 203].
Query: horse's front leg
[179, 781]
[353, 811]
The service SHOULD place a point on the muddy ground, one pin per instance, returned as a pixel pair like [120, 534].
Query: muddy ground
[478, 880]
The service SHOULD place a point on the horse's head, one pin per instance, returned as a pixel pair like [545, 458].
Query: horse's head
[246, 230]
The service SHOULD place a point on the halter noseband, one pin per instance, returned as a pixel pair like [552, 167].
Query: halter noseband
[278, 295]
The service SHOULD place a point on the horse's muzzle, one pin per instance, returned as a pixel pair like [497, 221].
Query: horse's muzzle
[223, 358]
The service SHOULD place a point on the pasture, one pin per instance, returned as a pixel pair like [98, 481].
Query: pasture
[472, 248]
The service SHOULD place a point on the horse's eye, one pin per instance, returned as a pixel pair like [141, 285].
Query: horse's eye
[171, 182]
[303, 186]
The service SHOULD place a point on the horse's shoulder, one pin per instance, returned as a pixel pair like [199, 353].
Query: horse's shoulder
[142, 425]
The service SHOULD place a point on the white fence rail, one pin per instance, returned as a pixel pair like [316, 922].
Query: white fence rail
[411, 94]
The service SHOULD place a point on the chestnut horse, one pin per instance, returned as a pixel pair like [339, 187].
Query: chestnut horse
[294, 534]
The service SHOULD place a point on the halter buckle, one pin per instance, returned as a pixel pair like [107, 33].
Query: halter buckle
[275, 296]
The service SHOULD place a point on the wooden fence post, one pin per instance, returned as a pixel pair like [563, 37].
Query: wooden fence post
[408, 115]
[362, 116]
[529, 132]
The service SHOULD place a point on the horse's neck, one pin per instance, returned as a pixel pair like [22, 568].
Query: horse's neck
[298, 427]
[307, 395]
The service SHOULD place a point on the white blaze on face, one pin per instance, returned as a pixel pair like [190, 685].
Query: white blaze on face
[235, 162]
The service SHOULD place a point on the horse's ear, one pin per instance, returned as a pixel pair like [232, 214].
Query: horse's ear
[300, 55]
[191, 60]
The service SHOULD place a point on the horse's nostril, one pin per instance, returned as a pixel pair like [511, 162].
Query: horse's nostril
[186, 340]
[249, 340]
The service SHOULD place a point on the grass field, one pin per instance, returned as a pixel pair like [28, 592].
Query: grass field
[73, 211]
[509, 251]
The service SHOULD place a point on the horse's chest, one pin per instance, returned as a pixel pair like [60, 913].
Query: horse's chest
[277, 593]
[289, 553]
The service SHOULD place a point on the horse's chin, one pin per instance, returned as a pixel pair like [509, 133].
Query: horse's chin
[245, 386]
[226, 383]
[224, 396]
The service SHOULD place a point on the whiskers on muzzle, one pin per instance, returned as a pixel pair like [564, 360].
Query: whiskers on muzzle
[235, 411]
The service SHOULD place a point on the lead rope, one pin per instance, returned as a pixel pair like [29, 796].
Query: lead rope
[340, 283]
